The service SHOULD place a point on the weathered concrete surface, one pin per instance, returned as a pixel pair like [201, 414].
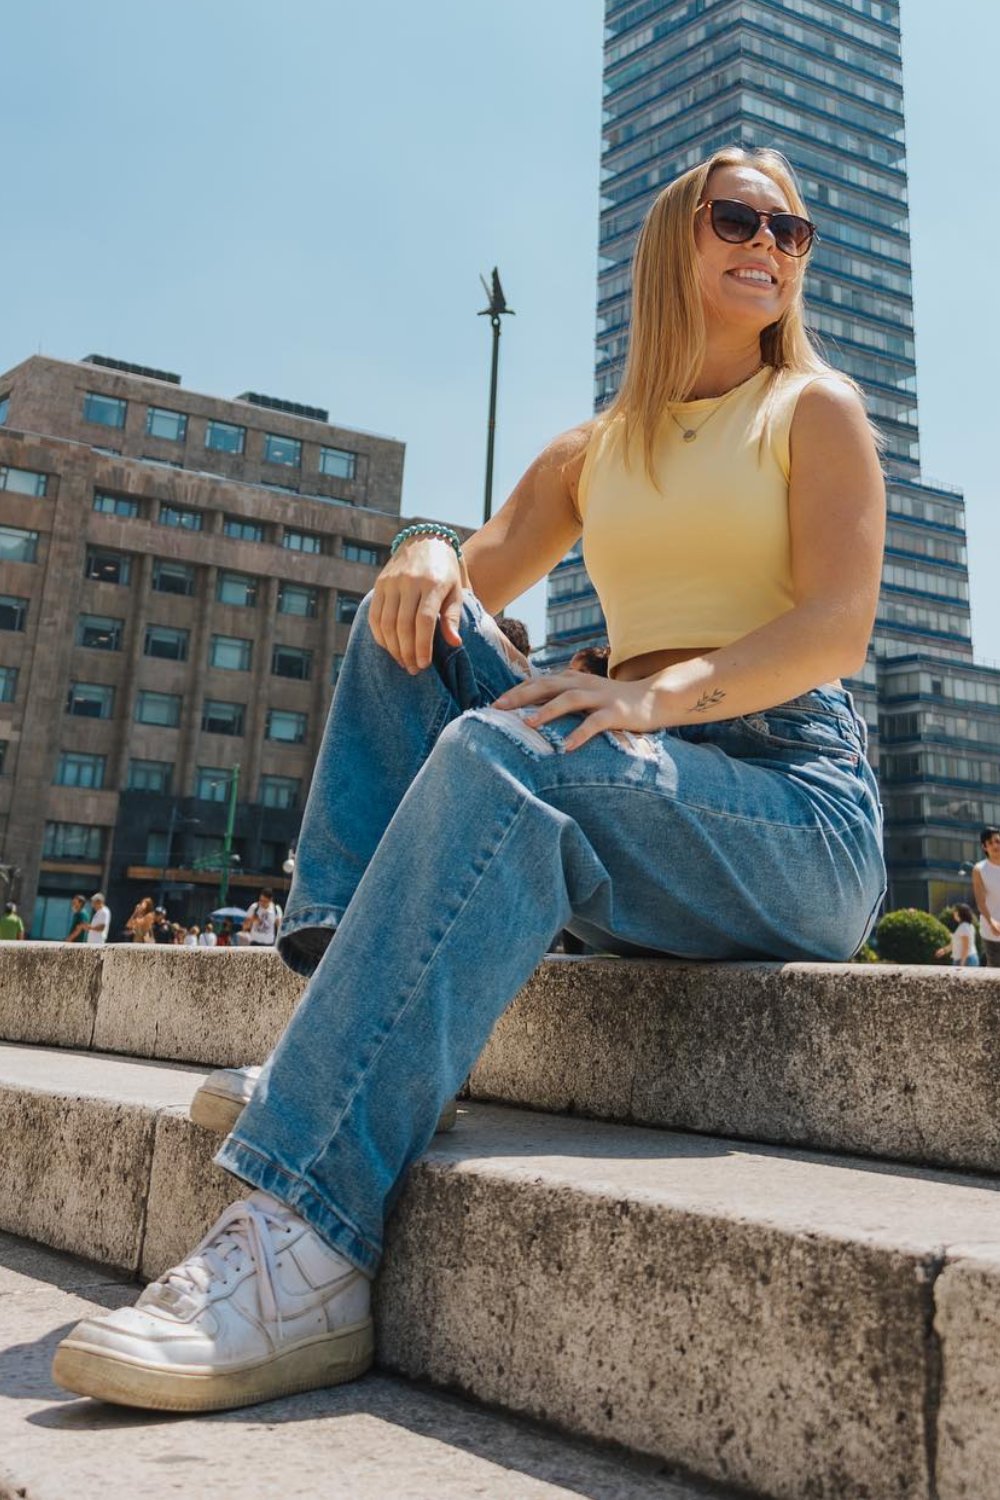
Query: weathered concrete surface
[186, 1193]
[967, 1323]
[222, 1007]
[48, 993]
[769, 1318]
[886, 1061]
[377, 1440]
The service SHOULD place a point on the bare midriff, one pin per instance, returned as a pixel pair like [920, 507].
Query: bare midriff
[652, 662]
[656, 661]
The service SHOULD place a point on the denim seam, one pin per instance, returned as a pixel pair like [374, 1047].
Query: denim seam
[307, 1182]
[418, 983]
[683, 802]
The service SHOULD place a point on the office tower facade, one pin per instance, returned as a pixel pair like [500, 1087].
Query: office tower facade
[820, 80]
[178, 577]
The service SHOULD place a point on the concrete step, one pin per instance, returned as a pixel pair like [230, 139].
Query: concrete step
[381, 1439]
[886, 1061]
[798, 1324]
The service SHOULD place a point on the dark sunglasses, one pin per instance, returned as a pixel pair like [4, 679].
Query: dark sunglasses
[737, 222]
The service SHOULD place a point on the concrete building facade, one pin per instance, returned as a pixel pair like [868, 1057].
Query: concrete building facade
[178, 577]
[820, 80]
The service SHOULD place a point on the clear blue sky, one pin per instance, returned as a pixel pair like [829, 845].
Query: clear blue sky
[300, 201]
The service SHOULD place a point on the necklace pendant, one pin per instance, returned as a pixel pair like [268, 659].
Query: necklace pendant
[690, 435]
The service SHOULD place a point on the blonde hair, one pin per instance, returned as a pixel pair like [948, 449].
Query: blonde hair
[666, 300]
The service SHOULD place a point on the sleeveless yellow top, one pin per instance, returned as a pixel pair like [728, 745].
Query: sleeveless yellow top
[708, 558]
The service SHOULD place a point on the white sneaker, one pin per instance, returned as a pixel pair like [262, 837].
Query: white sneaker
[224, 1095]
[261, 1308]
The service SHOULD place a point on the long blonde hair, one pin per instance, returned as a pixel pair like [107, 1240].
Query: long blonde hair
[667, 340]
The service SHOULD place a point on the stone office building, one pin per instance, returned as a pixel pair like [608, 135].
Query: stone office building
[178, 577]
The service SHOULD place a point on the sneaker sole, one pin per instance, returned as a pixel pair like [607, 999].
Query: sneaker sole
[219, 1113]
[90, 1371]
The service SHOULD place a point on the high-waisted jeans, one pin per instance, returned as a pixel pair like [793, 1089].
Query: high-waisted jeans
[446, 843]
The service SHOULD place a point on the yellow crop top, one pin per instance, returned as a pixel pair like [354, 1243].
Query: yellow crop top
[709, 558]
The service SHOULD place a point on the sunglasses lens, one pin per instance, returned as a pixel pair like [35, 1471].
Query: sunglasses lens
[792, 234]
[733, 221]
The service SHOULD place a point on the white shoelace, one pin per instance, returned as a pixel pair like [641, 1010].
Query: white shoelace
[240, 1231]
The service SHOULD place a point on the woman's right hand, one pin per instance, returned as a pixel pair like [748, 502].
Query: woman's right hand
[419, 586]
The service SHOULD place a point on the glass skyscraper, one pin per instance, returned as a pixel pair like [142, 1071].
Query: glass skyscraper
[820, 80]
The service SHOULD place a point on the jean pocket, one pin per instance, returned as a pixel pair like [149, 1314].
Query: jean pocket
[804, 729]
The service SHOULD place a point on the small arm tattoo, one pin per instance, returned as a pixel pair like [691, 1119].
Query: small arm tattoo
[707, 700]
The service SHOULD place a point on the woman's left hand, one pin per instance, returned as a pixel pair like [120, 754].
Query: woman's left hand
[607, 704]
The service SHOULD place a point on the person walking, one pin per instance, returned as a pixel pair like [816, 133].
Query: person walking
[262, 923]
[710, 798]
[986, 890]
[962, 948]
[11, 925]
[99, 925]
[208, 936]
[79, 920]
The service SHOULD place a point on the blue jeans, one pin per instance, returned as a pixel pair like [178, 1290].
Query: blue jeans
[446, 843]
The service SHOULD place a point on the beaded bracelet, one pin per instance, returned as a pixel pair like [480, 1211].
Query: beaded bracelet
[427, 528]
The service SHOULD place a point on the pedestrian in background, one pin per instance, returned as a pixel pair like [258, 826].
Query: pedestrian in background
[962, 947]
[11, 926]
[140, 923]
[79, 920]
[986, 889]
[100, 919]
[208, 937]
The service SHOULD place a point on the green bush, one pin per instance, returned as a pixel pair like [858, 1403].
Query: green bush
[866, 955]
[911, 937]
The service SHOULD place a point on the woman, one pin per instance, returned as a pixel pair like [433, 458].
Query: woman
[732, 510]
[962, 948]
[140, 923]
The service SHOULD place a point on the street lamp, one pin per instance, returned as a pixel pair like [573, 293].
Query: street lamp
[289, 864]
[497, 308]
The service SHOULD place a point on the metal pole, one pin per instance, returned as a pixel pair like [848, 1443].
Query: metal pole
[228, 844]
[166, 856]
[496, 309]
[492, 425]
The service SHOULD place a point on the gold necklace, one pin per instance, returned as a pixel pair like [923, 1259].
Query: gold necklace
[690, 433]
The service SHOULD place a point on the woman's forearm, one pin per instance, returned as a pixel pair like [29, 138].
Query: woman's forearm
[809, 645]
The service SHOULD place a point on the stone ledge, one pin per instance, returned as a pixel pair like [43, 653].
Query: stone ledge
[885, 1061]
[759, 1317]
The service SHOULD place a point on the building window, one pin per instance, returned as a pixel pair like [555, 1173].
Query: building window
[230, 652]
[4, 747]
[212, 784]
[295, 600]
[75, 769]
[222, 718]
[17, 545]
[162, 423]
[288, 728]
[8, 684]
[150, 776]
[236, 588]
[347, 607]
[225, 437]
[23, 481]
[282, 450]
[242, 531]
[338, 662]
[4, 409]
[72, 841]
[163, 709]
[90, 700]
[115, 505]
[100, 632]
[338, 463]
[291, 661]
[13, 612]
[106, 411]
[280, 791]
[108, 567]
[209, 849]
[302, 541]
[166, 643]
[179, 515]
[158, 848]
[355, 552]
[173, 577]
